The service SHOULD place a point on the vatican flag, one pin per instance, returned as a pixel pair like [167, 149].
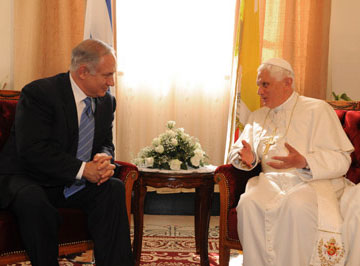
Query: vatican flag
[246, 60]
[249, 60]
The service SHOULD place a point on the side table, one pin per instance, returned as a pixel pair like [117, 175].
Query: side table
[201, 179]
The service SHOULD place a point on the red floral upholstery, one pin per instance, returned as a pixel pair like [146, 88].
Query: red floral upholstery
[232, 184]
[351, 124]
[73, 234]
[7, 115]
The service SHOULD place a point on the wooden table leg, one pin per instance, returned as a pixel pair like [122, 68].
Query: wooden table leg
[139, 197]
[197, 220]
[204, 195]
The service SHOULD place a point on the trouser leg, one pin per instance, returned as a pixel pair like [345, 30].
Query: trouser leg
[108, 222]
[38, 221]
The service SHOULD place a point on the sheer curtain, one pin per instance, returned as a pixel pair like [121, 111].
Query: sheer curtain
[298, 31]
[174, 61]
[44, 34]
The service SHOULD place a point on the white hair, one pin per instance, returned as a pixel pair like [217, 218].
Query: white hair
[277, 72]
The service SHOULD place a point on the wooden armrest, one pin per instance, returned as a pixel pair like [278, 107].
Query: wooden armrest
[128, 173]
[126, 170]
[232, 182]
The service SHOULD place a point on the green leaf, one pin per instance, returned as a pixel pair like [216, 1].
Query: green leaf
[183, 166]
[345, 97]
[336, 97]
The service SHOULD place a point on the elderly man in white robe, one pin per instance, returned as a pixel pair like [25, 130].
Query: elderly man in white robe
[290, 214]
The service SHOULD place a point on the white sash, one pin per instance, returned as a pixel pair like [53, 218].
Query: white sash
[329, 248]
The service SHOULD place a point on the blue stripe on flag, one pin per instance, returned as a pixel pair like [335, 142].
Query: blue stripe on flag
[98, 21]
[108, 4]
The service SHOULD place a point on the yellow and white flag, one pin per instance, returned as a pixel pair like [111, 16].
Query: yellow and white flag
[248, 61]
[247, 56]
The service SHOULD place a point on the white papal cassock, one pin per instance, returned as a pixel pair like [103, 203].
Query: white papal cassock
[292, 217]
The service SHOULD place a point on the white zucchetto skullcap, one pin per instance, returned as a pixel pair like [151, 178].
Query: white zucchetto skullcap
[279, 63]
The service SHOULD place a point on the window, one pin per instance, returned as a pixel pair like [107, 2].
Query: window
[175, 58]
[162, 42]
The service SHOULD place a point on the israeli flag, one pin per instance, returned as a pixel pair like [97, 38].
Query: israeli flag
[98, 21]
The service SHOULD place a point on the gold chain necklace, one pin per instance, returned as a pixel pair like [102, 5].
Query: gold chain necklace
[271, 141]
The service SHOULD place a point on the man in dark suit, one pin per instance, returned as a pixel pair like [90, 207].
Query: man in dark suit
[41, 163]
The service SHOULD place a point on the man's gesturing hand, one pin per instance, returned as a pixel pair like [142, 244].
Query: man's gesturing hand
[246, 154]
[293, 160]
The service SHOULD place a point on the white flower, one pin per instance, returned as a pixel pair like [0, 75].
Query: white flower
[170, 134]
[195, 160]
[199, 153]
[159, 149]
[194, 142]
[197, 146]
[165, 150]
[149, 162]
[138, 161]
[170, 124]
[143, 153]
[174, 142]
[185, 137]
[156, 142]
[175, 164]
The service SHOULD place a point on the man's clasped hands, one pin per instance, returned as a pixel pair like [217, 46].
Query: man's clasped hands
[100, 169]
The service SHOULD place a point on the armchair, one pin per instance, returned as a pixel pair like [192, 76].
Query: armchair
[232, 181]
[73, 234]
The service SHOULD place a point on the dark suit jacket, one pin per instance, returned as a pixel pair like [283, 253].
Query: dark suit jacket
[43, 141]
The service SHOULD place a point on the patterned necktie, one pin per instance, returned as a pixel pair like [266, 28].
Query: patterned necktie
[86, 137]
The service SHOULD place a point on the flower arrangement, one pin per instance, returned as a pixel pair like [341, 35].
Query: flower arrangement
[172, 150]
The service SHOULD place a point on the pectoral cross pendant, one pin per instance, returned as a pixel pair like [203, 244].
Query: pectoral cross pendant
[269, 142]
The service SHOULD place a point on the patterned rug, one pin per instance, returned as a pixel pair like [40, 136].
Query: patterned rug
[170, 245]
[174, 251]
[175, 245]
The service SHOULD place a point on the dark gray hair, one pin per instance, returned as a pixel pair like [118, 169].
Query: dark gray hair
[89, 52]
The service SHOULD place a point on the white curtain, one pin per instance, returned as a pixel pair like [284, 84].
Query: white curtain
[174, 61]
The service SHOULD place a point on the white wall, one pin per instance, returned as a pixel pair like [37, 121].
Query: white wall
[6, 33]
[344, 54]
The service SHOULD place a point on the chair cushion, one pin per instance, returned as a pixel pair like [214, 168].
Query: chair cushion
[236, 188]
[10, 238]
[73, 226]
[232, 224]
